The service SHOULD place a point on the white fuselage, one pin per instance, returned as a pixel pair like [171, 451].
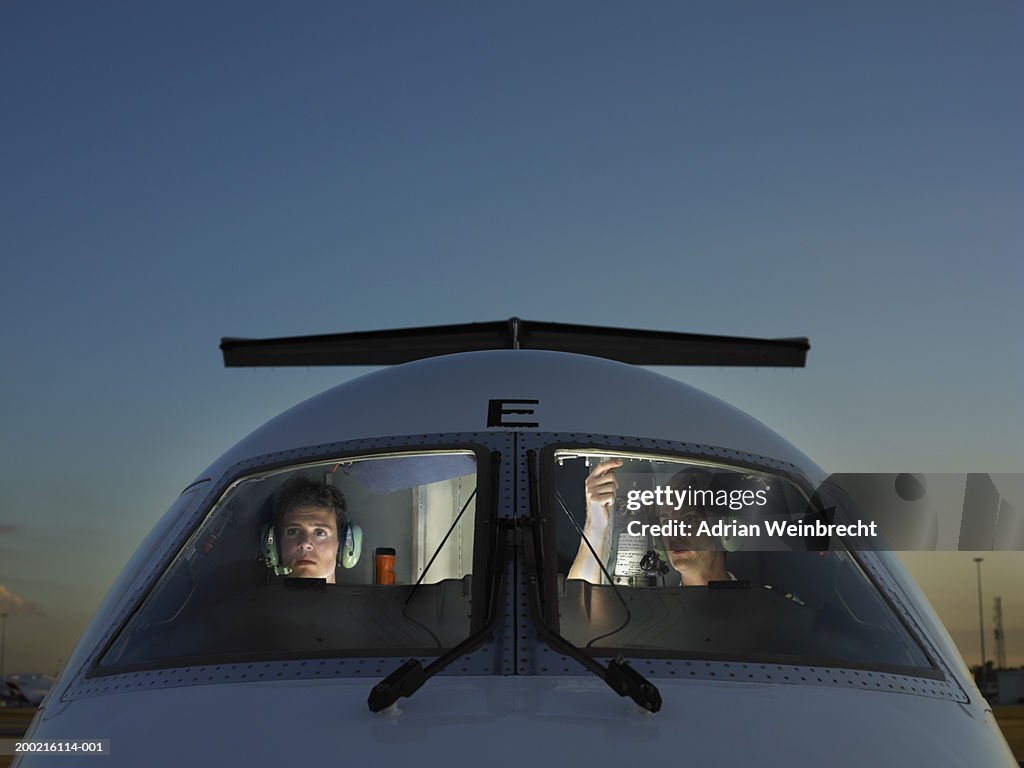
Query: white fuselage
[729, 714]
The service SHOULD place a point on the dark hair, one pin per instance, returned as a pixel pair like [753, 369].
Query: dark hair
[303, 492]
[701, 479]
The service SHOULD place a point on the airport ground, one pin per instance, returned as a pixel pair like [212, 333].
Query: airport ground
[13, 723]
[1011, 720]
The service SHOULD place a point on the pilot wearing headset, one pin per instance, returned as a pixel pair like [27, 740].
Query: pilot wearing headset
[307, 519]
[697, 559]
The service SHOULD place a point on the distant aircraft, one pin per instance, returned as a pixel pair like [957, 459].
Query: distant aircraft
[26, 689]
[432, 621]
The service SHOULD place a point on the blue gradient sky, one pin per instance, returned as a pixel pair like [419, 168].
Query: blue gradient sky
[175, 173]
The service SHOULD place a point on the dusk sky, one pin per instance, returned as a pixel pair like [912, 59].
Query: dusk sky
[171, 173]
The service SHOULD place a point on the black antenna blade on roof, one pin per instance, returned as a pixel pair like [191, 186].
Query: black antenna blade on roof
[623, 344]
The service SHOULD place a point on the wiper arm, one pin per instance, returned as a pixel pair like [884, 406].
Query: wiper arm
[411, 676]
[619, 676]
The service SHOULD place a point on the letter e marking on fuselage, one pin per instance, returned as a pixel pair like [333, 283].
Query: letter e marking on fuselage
[496, 413]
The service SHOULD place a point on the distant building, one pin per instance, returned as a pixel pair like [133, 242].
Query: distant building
[1010, 686]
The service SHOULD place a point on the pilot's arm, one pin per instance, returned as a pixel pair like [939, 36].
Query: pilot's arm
[600, 491]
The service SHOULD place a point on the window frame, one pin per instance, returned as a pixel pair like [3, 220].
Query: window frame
[487, 459]
[550, 512]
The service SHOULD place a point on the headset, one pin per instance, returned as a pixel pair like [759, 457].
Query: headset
[350, 540]
[350, 547]
[637, 563]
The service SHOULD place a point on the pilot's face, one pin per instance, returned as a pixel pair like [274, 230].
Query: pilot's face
[686, 553]
[309, 542]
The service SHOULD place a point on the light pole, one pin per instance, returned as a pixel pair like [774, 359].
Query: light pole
[3, 643]
[981, 622]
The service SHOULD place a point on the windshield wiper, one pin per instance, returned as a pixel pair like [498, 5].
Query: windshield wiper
[411, 676]
[419, 581]
[619, 676]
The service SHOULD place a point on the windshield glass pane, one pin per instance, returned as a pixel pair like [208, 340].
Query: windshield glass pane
[368, 555]
[700, 559]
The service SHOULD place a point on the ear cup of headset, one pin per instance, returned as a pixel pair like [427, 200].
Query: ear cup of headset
[269, 550]
[350, 545]
[732, 543]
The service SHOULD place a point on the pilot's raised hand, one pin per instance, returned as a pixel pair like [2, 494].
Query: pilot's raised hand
[600, 488]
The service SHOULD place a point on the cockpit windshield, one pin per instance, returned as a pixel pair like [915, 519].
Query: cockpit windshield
[389, 554]
[369, 555]
[693, 558]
